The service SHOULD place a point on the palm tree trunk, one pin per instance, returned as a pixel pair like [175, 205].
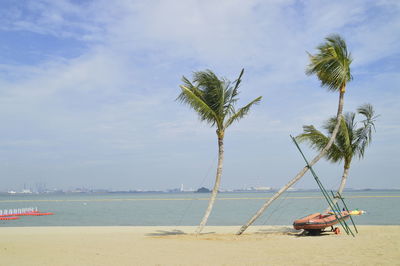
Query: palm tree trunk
[341, 187]
[216, 185]
[304, 170]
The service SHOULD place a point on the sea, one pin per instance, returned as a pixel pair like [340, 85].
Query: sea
[181, 209]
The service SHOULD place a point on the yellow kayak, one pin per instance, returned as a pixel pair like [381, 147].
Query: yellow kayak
[357, 212]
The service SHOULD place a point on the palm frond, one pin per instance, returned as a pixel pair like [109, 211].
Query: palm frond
[363, 135]
[235, 91]
[241, 112]
[199, 93]
[367, 110]
[204, 111]
[317, 140]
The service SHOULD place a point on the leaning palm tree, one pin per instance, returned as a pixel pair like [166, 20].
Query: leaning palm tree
[214, 101]
[350, 141]
[332, 66]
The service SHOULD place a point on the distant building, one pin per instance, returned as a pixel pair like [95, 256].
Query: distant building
[262, 188]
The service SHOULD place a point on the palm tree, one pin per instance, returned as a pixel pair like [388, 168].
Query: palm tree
[214, 101]
[350, 141]
[332, 66]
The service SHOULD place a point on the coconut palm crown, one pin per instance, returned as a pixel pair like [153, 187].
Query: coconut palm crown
[351, 140]
[214, 101]
[331, 64]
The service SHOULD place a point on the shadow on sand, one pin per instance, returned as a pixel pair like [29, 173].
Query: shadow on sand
[175, 232]
[166, 233]
[261, 232]
[310, 234]
[293, 232]
[278, 231]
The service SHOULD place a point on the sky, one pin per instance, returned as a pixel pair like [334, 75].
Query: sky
[88, 91]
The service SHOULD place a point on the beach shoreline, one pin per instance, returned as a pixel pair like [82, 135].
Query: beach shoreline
[177, 245]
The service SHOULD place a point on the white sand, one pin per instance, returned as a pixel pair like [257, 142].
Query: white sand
[262, 245]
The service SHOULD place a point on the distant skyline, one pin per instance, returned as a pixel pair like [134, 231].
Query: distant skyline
[52, 190]
[88, 89]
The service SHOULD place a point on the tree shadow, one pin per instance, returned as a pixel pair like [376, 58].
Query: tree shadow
[278, 231]
[293, 232]
[207, 233]
[306, 233]
[176, 232]
[166, 233]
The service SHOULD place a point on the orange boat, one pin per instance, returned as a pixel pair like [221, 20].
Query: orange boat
[318, 221]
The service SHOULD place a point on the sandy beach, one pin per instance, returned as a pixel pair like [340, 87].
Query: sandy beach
[261, 245]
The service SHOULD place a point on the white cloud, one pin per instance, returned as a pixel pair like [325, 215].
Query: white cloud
[61, 19]
[118, 96]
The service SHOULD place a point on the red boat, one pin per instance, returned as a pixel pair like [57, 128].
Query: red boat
[317, 221]
[9, 218]
[34, 213]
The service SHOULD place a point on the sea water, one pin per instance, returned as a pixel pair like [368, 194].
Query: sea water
[169, 209]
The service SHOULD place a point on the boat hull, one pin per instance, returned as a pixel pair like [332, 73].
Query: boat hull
[318, 221]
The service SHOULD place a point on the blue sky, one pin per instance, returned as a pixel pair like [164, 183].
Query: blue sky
[88, 89]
